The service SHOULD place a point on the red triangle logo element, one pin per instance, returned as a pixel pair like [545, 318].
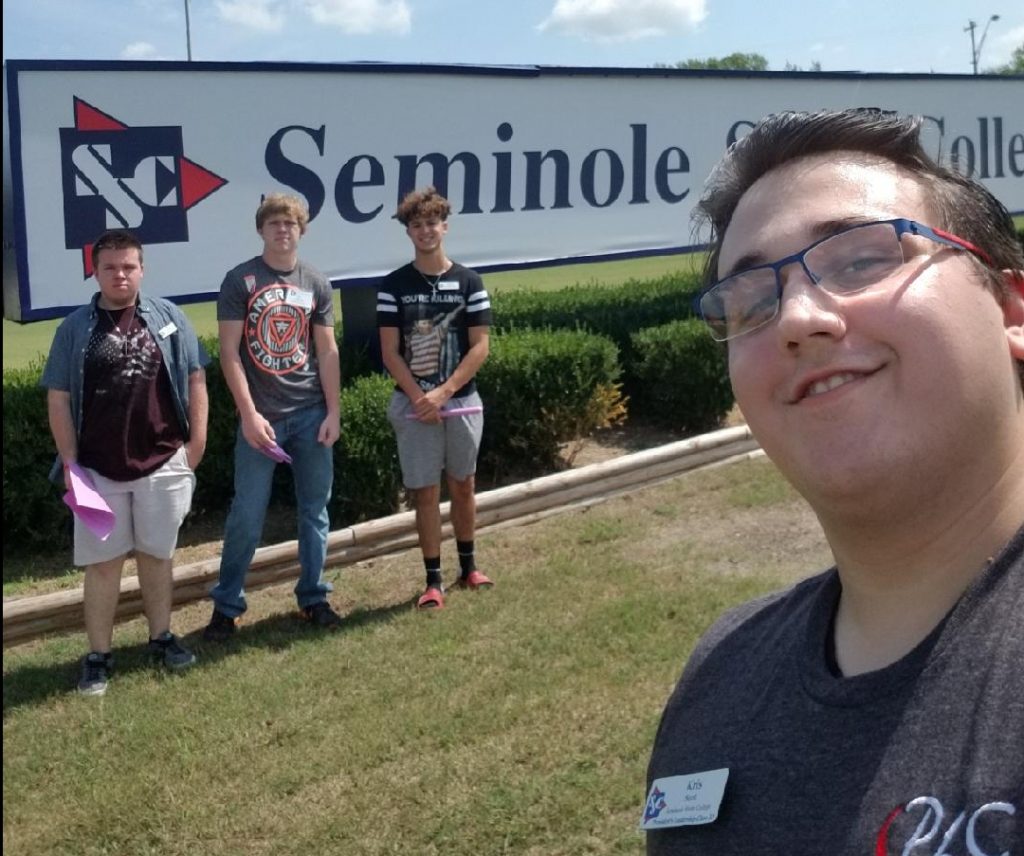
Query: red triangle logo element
[281, 328]
[87, 261]
[88, 118]
[197, 182]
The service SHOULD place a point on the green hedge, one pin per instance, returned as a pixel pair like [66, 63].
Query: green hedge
[367, 481]
[617, 312]
[215, 474]
[34, 515]
[543, 388]
[613, 311]
[559, 366]
[681, 377]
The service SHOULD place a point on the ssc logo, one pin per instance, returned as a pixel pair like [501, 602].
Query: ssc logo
[655, 804]
[118, 177]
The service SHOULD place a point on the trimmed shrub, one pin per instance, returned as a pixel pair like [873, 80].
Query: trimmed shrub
[680, 377]
[616, 312]
[215, 474]
[367, 478]
[543, 388]
[34, 515]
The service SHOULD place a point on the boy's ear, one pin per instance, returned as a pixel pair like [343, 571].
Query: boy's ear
[1013, 312]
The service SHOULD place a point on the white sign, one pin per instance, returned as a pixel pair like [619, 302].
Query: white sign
[540, 164]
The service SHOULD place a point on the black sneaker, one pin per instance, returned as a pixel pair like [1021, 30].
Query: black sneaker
[167, 651]
[221, 627]
[96, 669]
[321, 615]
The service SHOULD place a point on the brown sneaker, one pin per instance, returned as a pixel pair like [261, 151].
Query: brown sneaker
[321, 615]
[221, 627]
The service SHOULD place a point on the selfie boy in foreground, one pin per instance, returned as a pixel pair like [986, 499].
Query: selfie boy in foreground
[872, 303]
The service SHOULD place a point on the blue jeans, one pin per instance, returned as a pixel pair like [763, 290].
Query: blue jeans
[313, 472]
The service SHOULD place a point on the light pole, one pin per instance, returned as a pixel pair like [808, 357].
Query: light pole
[188, 36]
[975, 51]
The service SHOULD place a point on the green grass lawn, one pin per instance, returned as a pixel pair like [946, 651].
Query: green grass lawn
[516, 721]
[24, 343]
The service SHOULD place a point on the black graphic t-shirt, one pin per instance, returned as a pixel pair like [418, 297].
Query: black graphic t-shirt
[924, 757]
[129, 424]
[277, 348]
[433, 316]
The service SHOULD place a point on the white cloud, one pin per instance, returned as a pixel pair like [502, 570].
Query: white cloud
[360, 17]
[624, 20]
[265, 15]
[139, 50]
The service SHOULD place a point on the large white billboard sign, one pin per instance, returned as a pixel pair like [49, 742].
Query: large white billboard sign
[540, 164]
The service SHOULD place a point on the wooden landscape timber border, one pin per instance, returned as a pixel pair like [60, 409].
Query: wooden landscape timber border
[27, 618]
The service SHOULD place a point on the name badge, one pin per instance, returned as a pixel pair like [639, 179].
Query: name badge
[167, 330]
[302, 299]
[687, 800]
[448, 285]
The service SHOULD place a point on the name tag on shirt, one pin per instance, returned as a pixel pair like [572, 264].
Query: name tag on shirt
[688, 800]
[302, 299]
[167, 330]
[448, 285]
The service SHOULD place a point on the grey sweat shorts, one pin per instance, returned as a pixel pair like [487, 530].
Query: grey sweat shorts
[425, 450]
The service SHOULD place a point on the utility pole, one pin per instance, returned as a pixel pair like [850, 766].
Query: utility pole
[188, 35]
[975, 50]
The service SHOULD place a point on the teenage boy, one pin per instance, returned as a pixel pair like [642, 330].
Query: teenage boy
[280, 361]
[433, 316]
[127, 408]
[873, 305]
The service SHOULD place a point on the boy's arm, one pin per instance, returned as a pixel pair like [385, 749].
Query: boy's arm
[330, 380]
[256, 430]
[62, 427]
[469, 365]
[198, 414]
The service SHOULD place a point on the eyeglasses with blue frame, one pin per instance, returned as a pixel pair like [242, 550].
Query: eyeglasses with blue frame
[845, 262]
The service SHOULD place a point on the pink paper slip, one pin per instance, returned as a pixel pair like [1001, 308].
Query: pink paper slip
[461, 411]
[455, 411]
[87, 505]
[276, 453]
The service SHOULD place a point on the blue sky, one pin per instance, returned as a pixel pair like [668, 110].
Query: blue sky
[863, 35]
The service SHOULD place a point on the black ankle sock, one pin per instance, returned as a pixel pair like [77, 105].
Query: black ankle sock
[467, 562]
[433, 567]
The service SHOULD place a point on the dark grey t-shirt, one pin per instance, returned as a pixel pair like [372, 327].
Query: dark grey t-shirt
[921, 758]
[277, 348]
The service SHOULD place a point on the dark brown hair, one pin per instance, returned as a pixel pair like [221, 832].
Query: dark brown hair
[114, 239]
[964, 206]
[422, 204]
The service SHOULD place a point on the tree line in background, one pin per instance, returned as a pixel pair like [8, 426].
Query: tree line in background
[756, 62]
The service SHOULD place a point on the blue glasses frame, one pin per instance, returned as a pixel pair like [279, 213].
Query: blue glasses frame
[901, 226]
